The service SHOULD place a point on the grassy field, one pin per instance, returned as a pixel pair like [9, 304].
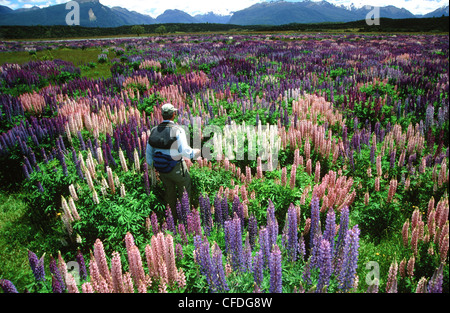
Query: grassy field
[15, 240]
[78, 57]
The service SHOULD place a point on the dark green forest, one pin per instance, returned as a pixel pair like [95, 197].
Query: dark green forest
[414, 25]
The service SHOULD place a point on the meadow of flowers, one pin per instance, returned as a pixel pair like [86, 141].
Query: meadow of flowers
[356, 202]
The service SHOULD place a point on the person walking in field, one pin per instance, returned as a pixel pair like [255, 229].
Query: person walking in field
[166, 147]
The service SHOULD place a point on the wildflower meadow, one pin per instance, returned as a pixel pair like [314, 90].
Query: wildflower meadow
[324, 167]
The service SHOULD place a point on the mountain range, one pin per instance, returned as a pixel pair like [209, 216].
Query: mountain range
[95, 14]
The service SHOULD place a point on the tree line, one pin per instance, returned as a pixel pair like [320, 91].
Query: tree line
[440, 24]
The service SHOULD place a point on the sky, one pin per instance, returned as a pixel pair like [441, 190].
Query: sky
[193, 7]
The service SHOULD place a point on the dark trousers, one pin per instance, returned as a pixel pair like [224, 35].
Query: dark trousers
[174, 184]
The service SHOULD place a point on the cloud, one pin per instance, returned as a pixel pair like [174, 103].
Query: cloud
[157, 7]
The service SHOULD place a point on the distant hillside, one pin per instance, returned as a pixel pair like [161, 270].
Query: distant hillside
[92, 14]
[211, 17]
[175, 16]
[282, 12]
[443, 11]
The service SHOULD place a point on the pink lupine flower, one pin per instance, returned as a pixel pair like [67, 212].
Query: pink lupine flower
[402, 268]
[407, 183]
[443, 248]
[443, 174]
[71, 284]
[170, 259]
[317, 172]
[405, 233]
[414, 239]
[73, 209]
[430, 206]
[377, 183]
[73, 192]
[378, 163]
[416, 217]
[135, 265]
[284, 176]
[422, 286]
[410, 266]
[308, 167]
[259, 174]
[392, 189]
[100, 258]
[181, 279]
[116, 273]
[87, 288]
[123, 162]
[293, 177]
[431, 223]
[128, 283]
[110, 180]
[391, 284]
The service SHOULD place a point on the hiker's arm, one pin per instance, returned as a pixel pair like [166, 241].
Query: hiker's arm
[183, 147]
[149, 155]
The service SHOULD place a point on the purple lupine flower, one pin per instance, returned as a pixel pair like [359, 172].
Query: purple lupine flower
[37, 266]
[56, 285]
[225, 209]
[330, 228]
[301, 247]
[211, 268]
[272, 224]
[170, 221]
[154, 222]
[315, 220]
[325, 265]
[343, 227]
[82, 265]
[218, 214]
[8, 286]
[292, 240]
[79, 171]
[435, 283]
[56, 275]
[185, 210]
[25, 171]
[252, 230]
[373, 150]
[203, 257]
[264, 246]
[179, 251]
[307, 272]
[194, 222]
[219, 270]
[392, 158]
[247, 255]
[276, 282]
[62, 160]
[258, 267]
[27, 164]
[233, 237]
[238, 209]
[349, 259]
[182, 232]
[205, 213]
[109, 154]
